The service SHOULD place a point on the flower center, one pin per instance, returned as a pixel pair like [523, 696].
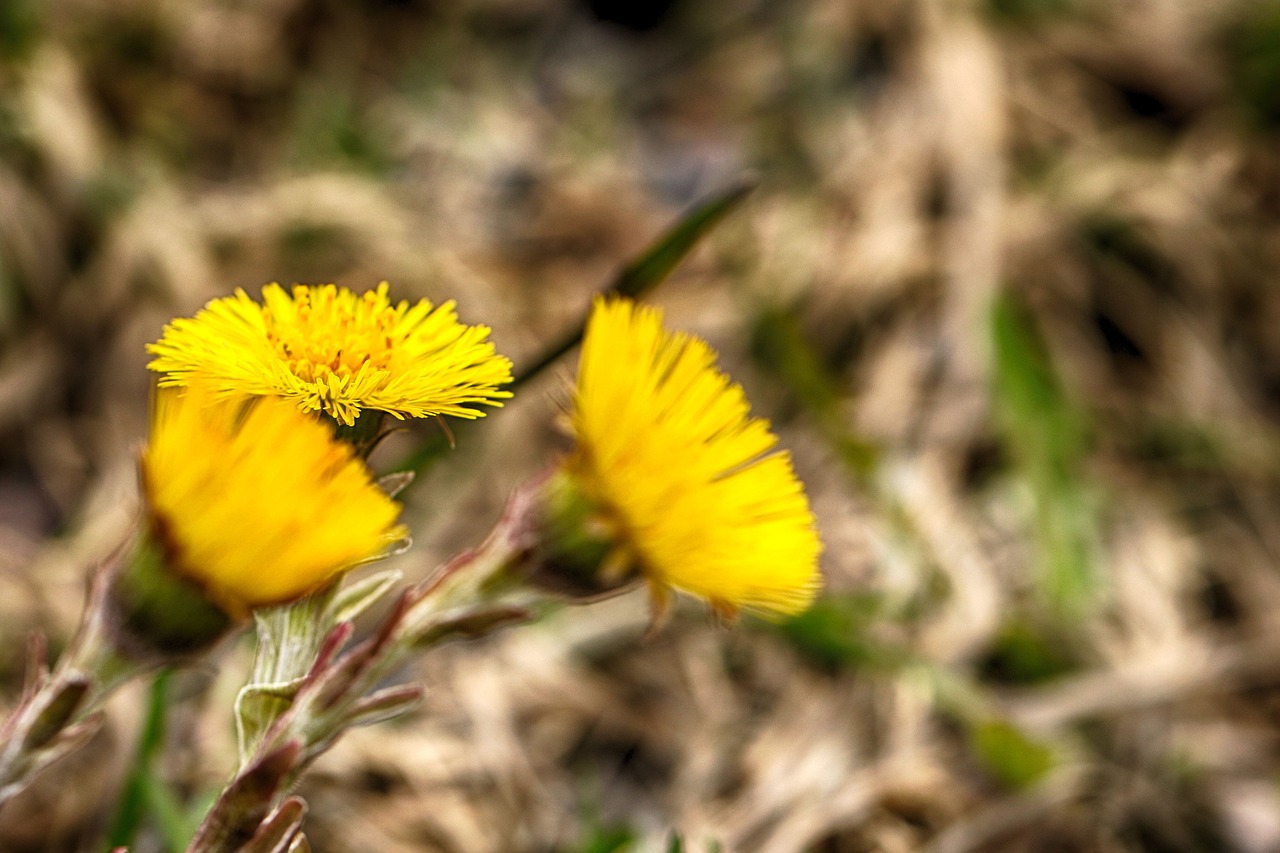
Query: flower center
[333, 334]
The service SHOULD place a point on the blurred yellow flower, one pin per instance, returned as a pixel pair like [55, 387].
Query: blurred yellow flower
[256, 502]
[332, 350]
[667, 447]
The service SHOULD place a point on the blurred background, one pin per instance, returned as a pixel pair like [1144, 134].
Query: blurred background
[1006, 288]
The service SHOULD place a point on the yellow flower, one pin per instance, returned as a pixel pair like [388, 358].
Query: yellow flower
[684, 474]
[332, 350]
[256, 502]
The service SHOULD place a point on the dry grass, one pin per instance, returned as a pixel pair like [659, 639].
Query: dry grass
[1051, 538]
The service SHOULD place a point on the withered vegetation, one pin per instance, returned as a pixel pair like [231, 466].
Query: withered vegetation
[1008, 288]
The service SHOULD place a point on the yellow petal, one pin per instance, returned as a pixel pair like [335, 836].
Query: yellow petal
[666, 443]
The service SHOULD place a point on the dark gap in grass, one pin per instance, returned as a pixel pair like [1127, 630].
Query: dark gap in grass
[638, 17]
[1026, 653]
[985, 460]
[1218, 601]
[1119, 343]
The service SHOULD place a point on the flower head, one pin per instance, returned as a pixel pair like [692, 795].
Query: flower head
[332, 350]
[683, 474]
[255, 502]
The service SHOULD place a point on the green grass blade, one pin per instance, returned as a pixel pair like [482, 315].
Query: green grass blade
[635, 280]
[134, 801]
[649, 270]
[1050, 440]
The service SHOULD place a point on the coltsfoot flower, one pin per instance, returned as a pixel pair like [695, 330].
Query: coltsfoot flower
[683, 478]
[248, 503]
[254, 501]
[334, 351]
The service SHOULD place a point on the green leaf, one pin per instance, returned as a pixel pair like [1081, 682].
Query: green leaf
[1252, 51]
[1027, 12]
[832, 633]
[780, 346]
[617, 839]
[614, 839]
[20, 26]
[1015, 759]
[332, 128]
[1024, 653]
